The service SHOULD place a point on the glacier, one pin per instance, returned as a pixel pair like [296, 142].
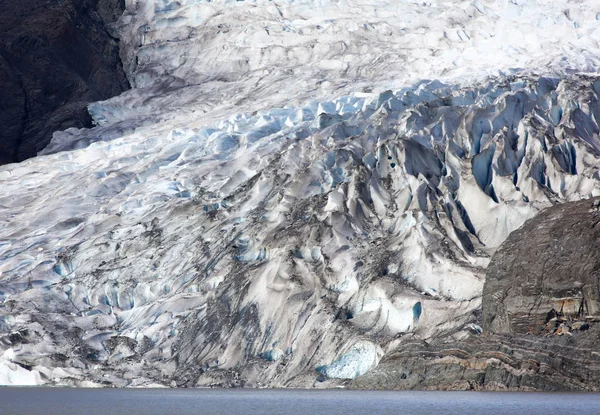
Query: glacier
[292, 189]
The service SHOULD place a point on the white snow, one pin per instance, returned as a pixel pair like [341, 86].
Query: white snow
[13, 374]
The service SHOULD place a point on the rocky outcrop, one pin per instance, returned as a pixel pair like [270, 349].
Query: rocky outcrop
[540, 318]
[55, 58]
[545, 278]
[493, 363]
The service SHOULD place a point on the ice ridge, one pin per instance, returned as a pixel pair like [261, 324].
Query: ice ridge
[258, 250]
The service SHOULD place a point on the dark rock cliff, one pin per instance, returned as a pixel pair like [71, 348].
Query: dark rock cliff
[56, 56]
[541, 317]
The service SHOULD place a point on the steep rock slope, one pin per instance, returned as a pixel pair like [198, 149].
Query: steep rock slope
[55, 58]
[545, 278]
[491, 363]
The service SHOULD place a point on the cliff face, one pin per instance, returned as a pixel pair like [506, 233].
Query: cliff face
[545, 277]
[55, 58]
[540, 316]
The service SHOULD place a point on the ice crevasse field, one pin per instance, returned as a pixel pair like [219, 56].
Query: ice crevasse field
[292, 188]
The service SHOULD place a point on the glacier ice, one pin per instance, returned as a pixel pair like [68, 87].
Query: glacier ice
[291, 185]
[361, 357]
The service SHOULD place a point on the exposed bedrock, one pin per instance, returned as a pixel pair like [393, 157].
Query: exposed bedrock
[492, 362]
[55, 58]
[546, 275]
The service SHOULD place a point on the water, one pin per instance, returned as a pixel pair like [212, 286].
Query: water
[288, 402]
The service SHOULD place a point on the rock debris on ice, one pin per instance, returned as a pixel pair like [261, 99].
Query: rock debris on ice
[282, 195]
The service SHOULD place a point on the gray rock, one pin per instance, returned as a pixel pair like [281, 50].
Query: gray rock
[55, 58]
[547, 268]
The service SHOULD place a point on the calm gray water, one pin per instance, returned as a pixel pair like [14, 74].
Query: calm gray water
[288, 402]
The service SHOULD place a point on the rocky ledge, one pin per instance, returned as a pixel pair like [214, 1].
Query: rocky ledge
[55, 58]
[540, 321]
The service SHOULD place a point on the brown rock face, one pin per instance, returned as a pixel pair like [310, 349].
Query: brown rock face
[56, 56]
[546, 277]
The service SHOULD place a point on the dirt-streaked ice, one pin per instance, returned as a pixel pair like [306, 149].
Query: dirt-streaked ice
[283, 198]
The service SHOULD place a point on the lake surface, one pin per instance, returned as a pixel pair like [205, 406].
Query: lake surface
[288, 402]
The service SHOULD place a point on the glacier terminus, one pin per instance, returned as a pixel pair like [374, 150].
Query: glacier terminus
[294, 191]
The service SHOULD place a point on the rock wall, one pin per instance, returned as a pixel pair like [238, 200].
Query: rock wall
[545, 277]
[55, 58]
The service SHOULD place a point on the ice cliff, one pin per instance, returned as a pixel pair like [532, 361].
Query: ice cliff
[293, 189]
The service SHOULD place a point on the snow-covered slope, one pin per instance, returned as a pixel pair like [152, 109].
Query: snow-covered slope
[283, 197]
[195, 62]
